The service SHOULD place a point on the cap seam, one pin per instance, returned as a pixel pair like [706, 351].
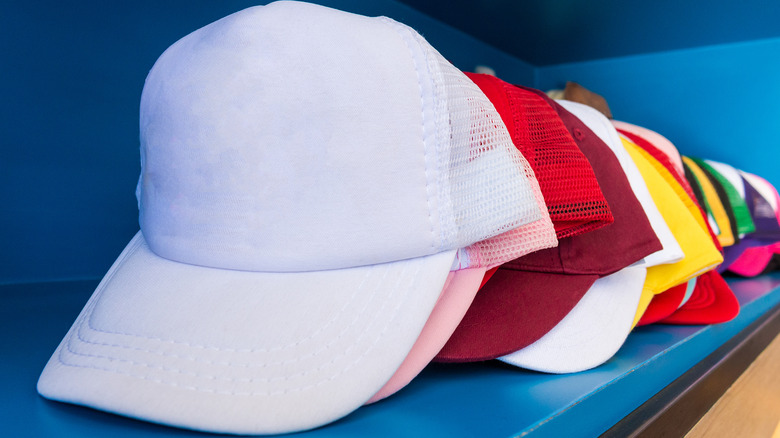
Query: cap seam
[402, 34]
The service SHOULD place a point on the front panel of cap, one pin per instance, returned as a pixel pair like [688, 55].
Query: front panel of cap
[228, 176]
[264, 148]
[698, 195]
[776, 204]
[763, 187]
[769, 191]
[755, 205]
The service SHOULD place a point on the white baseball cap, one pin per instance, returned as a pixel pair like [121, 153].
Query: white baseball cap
[592, 332]
[308, 177]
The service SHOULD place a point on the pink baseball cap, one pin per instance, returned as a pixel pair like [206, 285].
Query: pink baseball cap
[659, 141]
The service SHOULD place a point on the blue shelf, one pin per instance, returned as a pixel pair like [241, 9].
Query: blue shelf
[487, 399]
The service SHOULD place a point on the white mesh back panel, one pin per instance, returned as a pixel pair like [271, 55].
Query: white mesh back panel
[475, 148]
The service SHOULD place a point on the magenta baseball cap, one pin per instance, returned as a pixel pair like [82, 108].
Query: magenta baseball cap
[766, 215]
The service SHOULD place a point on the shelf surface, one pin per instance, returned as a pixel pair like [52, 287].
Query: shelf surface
[486, 399]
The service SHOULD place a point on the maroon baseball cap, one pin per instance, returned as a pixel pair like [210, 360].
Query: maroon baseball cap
[528, 296]
[559, 165]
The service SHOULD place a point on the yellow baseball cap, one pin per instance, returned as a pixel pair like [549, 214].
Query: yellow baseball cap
[684, 220]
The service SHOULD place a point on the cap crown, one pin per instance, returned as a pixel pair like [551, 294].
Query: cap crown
[275, 139]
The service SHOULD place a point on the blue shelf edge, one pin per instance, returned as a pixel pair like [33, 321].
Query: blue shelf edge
[487, 399]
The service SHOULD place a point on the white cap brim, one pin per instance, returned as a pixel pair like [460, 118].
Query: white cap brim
[592, 332]
[237, 351]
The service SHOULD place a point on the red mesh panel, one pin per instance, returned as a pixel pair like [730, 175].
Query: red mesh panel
[568, 184]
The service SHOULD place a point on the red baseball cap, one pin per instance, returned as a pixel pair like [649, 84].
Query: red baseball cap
[712, 302]
[559, 165]
[663, 304]
[528, 296]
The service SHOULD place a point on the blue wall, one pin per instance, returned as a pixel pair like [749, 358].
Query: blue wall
[720, 102]
[551, 32]
[70, 81]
